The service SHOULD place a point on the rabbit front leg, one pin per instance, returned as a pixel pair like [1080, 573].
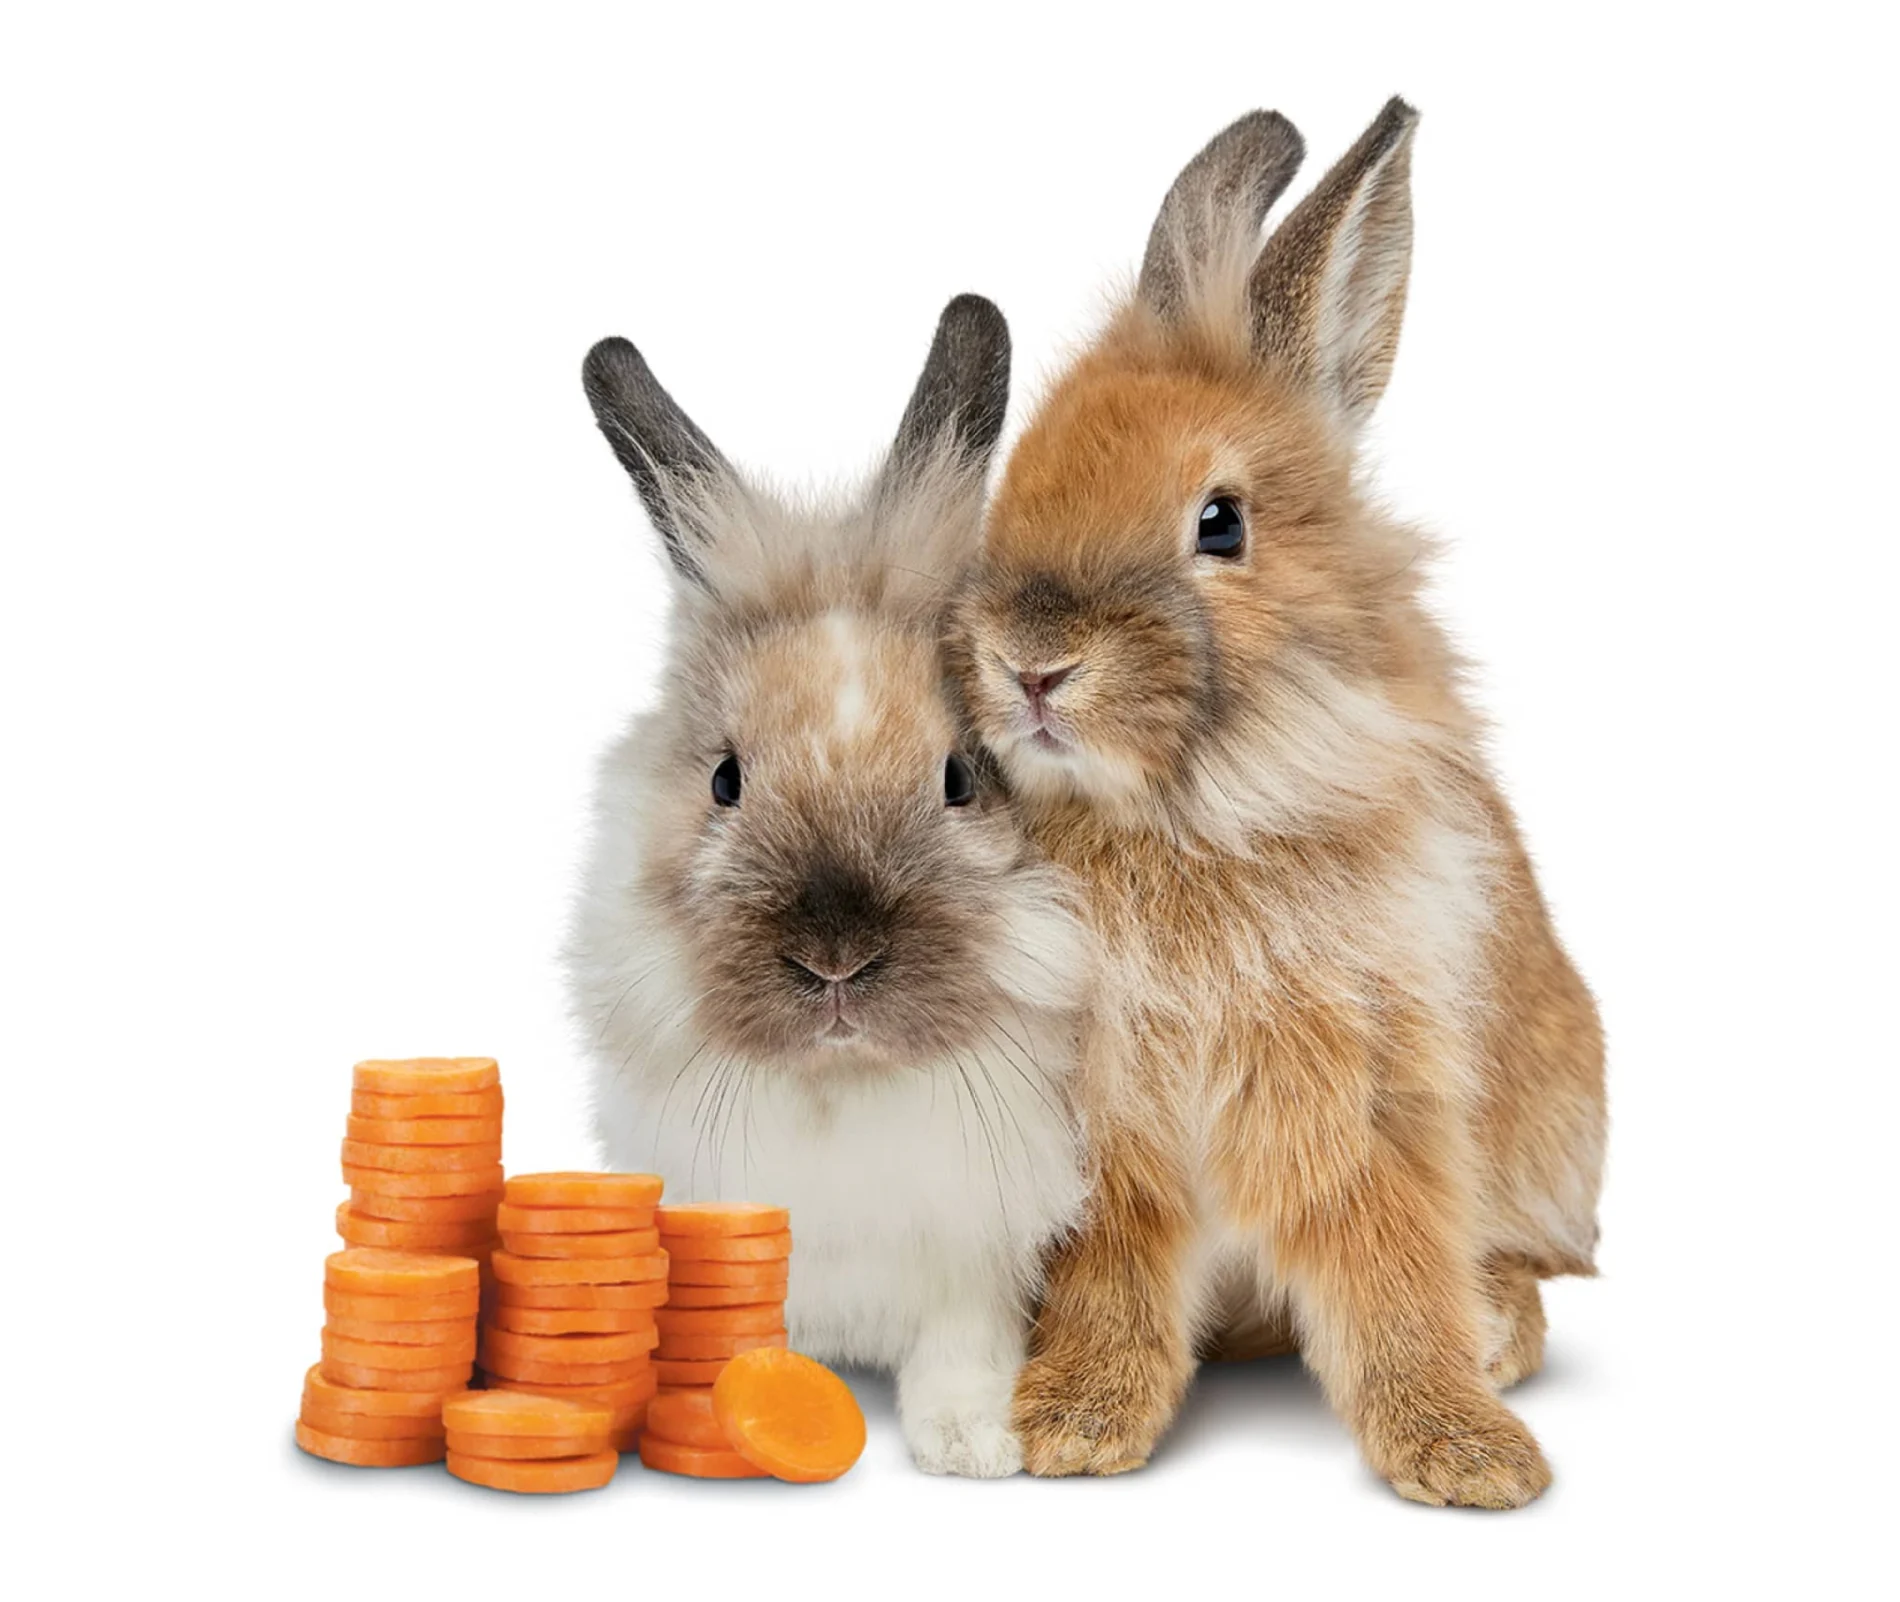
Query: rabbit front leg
[953, 1387]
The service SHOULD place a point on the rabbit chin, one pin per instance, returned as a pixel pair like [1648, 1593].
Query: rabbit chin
[1057, 767]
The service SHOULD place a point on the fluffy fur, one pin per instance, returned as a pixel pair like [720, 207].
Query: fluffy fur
[1341, 1084]
[841, 994]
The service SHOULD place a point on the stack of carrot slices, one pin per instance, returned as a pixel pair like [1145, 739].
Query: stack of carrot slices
[518, 1441]
[578, 1278]
[398, 1336]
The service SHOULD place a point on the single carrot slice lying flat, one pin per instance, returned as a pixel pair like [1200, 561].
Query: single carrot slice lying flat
[730, 1248]
[371, 1454]
[355, 1399]
[688, 1371]
[756, 1318]
[479, 1207]
[769, 1278]
[530, 1448]
[584, 1190]
[425, 1131]
[571, 1320]
[572, 1220]
[429, 1104]
[399, 1234]
[367, 1426]
[375, 1309]
[556, 1474]
[510, 1366]
[426, 1076]
[688, 1348]
[726, 1296]
[791, 1416]
[621, 1243]
[702, 1462]
[686, 1419]
[723, 1218]
[616, 1394]
[366, 1271]
[513, 1270]
[421, 1159]
[645, 1294]
[524, 1413]
[401, 1332]
[459, 1348]
[455, 1182]
[571, 1348]
[422, 1381]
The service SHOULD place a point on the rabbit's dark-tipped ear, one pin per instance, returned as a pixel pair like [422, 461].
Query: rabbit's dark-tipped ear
[1214, 211]
[962, 396]
[1328, 292]
[661, 447]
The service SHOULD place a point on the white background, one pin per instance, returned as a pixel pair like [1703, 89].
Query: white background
[321, 592]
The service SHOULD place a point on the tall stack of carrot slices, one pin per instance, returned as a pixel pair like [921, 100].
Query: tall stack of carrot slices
[422, 1156]
[398, 1336]
[728, 1269]
[578, 1278]
[516, 1441]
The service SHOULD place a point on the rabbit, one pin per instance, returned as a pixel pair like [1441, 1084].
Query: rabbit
[1341, 1083]
[816, 962]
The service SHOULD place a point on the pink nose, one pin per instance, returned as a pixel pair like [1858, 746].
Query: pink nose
[1037, 685]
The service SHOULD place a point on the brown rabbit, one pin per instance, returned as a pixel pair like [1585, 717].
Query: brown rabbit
[1340, 1078]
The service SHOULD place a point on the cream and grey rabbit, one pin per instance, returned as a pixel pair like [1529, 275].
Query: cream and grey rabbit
[815, 960]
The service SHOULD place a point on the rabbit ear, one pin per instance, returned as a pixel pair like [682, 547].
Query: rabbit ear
[1214, 211]
[1329, 290]
[961, 398]
[671, 462]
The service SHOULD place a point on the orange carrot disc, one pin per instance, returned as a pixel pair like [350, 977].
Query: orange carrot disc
[524, 1413]
[724, 1218]
[367, 1426]
[478, 1208]
[688, 1371]
[461, 1305]
[427, 1076]
[556, 1474]
[730, 1248]
[402, 1235]
[428, 1104]
[569, 1348]
[756, 1319]
[571, 1320]
[392, 1354]
[512, 1366]
[371, 1454]
[623, 1243]
[421, 1159]
[484, 1181]
[792, 1417]
[770, 1278]
[617, 1394]
[702, 1462]
[422, 1381]
[648, 1293]
[402, 1332]
[726, 1296]
[572, 1220]
[584, 1190]
[686, 1419]
[355, 1399]
[367, 1271]
[425, 1131]
[513, 1270]
[530, 1448]
[691, 1348]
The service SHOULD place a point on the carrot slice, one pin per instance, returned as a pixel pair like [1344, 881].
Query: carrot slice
[429, 1104]
[702, 1462]
[531, 1448]
[647, 1293]
[422, 1381]
[425, 1131]
[484, 1181]
[572, 1220]
[513, 1270]
[616, 1394]
[479, 1207]
[426, 1076]
[728, 1296]
[402, 1332]
[695, 1348]
[403, 1235]
[401, 1309]
[792, 1417]
[524, 1413]
[570, 1348]
[684, 1390]
[622, 1243]
[513, 1366]
[584, 1190]
[768, 1277]
[686, 1419]
[758, 1318]
[556, 1474]
[730, 1248]
[571, 1320]
[393, 1354]
[368, 1271]
[723, 1218]
[367, 1426]
[355, 1399]
[420, 1159]
[371, 1454]
[688, 1370]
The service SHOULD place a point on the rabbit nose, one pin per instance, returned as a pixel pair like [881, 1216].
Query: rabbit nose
[819, 973]
[1041, 682]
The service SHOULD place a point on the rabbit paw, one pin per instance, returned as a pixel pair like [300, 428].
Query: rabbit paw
[1494, 1464]
[1084, 1419]
[964, 1439]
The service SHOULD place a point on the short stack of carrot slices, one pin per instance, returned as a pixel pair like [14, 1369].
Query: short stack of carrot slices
[518, 1441]
[398, 1336]
[578, 1278]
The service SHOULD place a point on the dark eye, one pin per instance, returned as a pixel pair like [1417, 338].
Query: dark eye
[1223, 530]
[726, 782]
[959, 783]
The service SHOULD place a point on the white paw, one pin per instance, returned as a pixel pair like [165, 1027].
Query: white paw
[973, 1441]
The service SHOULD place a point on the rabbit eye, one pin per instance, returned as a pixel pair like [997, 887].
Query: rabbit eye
[1223, 531]
[725, 783]
[959, 783]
